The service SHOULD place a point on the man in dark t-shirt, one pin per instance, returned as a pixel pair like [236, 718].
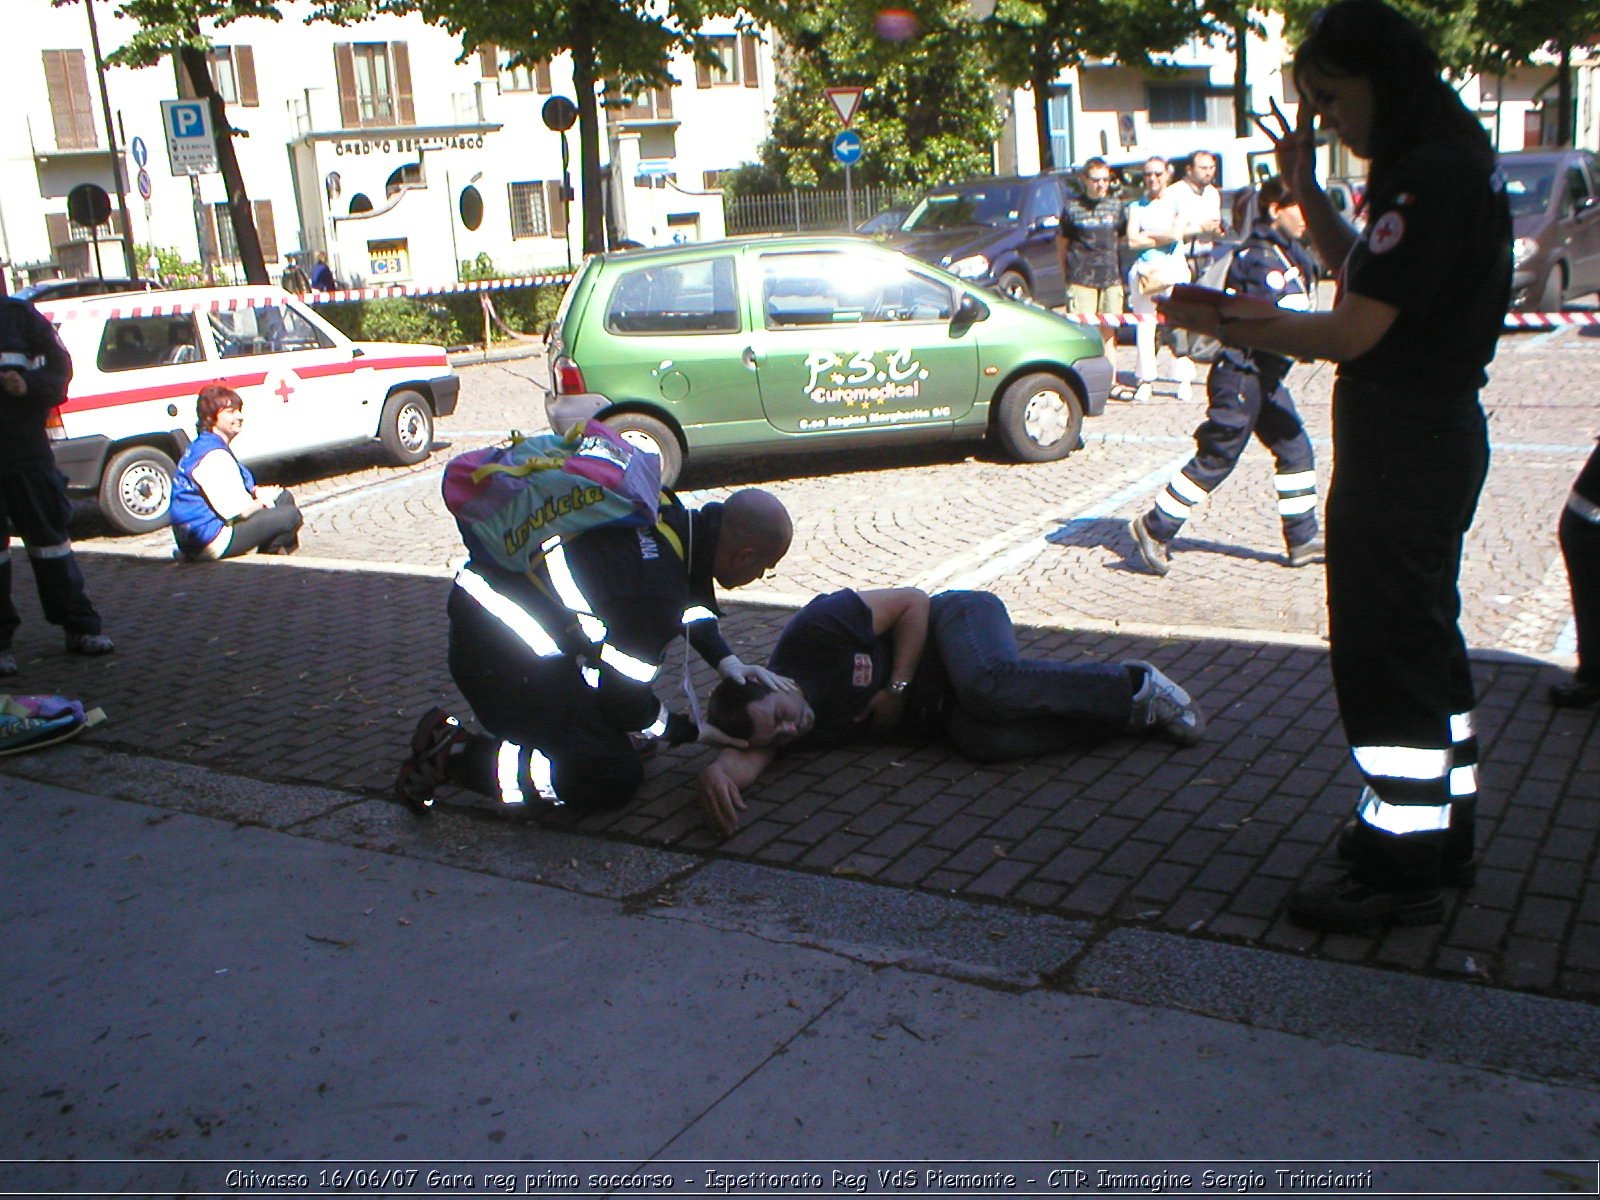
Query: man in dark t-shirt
[1091, 228]
[946, 666]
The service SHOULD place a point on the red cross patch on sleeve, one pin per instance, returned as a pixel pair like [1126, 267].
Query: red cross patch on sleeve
[1386, 233]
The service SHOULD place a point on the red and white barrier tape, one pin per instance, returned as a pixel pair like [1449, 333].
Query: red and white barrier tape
[148, 304]
[1514, 320]
[152, 304]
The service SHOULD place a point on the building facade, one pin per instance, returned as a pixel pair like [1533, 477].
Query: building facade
[384, 147]
[370, 143]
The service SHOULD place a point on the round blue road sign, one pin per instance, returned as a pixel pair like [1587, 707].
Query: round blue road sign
[141, 152]
[847, 147]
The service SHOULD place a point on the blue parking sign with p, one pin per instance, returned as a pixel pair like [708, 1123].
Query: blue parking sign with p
[191, 148]
[188, 119]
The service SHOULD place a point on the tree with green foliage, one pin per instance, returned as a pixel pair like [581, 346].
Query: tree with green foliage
[618, 43]
[928, 113]
[1030, 42]
[171, 28]
[1514, 32]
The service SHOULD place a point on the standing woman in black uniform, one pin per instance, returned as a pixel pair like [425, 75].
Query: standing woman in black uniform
[1422, 299]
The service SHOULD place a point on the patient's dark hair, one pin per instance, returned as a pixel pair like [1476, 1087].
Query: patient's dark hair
[729, 706]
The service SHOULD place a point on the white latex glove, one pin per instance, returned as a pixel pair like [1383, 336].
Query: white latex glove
[732, 668]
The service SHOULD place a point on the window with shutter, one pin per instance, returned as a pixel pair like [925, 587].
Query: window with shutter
[529, 217]
[555, 209]
[244, 65]
[344, 70]
[747, 57]
[406, 112]
[266, 230]
[67, 80]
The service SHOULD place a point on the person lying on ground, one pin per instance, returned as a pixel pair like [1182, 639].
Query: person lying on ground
[946, 666]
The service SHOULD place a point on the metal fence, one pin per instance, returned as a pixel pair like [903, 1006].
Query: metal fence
[805, 209]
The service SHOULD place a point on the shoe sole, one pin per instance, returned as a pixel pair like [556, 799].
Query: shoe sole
[1422, 912]
[1145, 545]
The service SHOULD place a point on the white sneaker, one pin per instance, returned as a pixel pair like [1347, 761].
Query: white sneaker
[1162, 705]
[1144, 393]
[1185, 392]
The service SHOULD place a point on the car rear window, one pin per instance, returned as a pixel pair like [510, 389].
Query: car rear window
[832, 288]
[699, 296]
[265, 329]
[129, 343]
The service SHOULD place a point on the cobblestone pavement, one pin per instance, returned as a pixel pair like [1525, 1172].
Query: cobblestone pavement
[314, 669]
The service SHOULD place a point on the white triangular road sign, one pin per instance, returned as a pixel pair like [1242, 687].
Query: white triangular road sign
[845, 101]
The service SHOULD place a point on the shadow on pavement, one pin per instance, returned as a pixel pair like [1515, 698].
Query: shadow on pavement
[282, 673]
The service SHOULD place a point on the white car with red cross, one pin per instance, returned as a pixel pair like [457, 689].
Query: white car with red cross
[140, 360]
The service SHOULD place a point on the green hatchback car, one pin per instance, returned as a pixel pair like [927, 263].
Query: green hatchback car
[783, 344]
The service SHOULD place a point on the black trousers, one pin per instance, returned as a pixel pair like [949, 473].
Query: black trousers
[1407, 473]
[34, 503]
[1241, 404]
[541, 708]
[1580, 547]
[269, 530]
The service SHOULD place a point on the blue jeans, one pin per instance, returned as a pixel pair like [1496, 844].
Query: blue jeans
[1000, 705]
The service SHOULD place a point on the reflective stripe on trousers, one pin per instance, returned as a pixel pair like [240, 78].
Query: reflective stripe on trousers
[1411, 789]
[513, 764]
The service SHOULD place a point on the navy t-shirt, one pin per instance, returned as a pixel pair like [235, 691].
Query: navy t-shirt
[1437, 246]
[830, 650]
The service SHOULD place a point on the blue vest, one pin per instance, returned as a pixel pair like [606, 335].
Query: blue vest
[195, 524]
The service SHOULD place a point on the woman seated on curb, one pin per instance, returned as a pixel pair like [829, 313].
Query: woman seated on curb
[217, 509]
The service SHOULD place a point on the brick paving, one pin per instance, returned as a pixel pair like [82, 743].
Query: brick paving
[289, 671]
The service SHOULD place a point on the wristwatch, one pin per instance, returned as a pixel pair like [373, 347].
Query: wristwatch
[897, 687]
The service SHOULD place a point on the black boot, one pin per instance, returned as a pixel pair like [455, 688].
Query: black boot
[1392, 880]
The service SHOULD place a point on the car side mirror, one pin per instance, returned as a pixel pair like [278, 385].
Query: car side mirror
[1588, 204]
[969, 311]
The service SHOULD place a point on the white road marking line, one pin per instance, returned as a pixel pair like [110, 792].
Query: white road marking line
[1011, 548]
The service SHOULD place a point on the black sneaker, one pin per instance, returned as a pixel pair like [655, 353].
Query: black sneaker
[1306, 553]
[436, 735]
[1352, 903]
[1457, 873]
[1153, 552]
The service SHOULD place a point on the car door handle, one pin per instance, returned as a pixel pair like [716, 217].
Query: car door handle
[750, 359]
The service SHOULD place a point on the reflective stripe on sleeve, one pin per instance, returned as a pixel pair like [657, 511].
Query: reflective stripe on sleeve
[64, 550]
[1463, 781]
[635, 669]
[658, 728]
[1460, 726]
[508, 613]
[698, 612]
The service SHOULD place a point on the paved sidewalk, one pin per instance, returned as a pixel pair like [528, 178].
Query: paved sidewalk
[280, 671]
[203, 1002]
